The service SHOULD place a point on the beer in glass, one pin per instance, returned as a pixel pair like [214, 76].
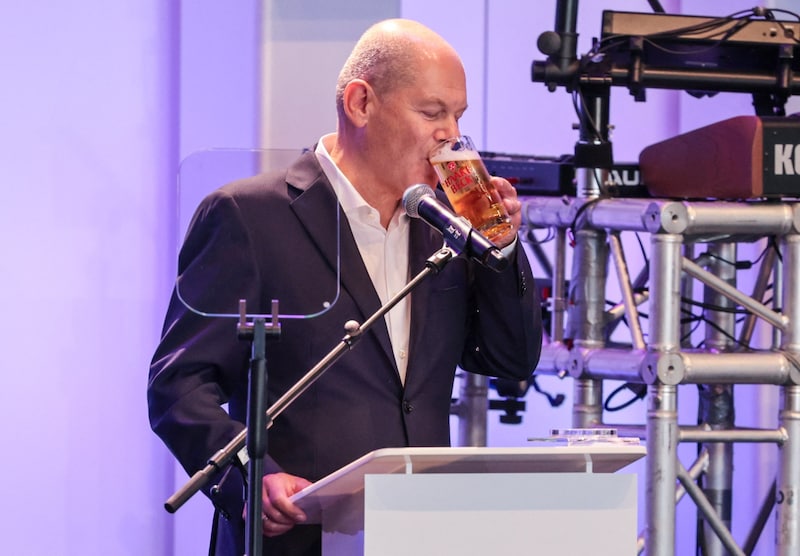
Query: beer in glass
[466, 182]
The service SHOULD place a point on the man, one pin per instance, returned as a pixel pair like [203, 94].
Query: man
[401, 92]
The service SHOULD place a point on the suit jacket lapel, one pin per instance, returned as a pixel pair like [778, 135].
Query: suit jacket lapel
[421, 246]
[318, 210]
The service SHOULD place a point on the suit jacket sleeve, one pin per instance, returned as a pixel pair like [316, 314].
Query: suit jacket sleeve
[505, 333]
[196, 367]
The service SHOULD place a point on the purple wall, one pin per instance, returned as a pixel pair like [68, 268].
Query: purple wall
[87, 156]
[100, 101]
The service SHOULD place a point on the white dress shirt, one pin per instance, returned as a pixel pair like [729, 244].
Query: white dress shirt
[384, 251]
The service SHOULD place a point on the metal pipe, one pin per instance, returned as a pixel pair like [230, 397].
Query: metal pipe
[787, 519]
[777, 298]
[788, 480]
[722, 218]
[608, 363]
[761, 520]
[791, 293]
[717, 485]
[587, 409]
[759, 289]
[559, 308]
[698, 467]
[472, 408]
[735, 368]
[566, 26]
[662, 414]
[546, 212]
[716, 400]
[721, 265]
[777, 320]
[631, 313]
[689, 434]
[661, 470]
[665, 292]
[554, 359]
[586, 315]
[711, 516]
[704, 79]
[687, 294]
[695, 220]
[625, 214]
[618, 311]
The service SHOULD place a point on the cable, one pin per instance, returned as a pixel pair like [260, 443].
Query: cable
[742, 18]
[583, 115]
[581, 210]
[530, 236]
[639, 393]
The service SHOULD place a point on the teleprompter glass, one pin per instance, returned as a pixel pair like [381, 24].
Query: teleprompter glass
[232, 205]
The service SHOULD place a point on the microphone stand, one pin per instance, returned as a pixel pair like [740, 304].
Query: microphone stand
[256, 419]
[256, 439]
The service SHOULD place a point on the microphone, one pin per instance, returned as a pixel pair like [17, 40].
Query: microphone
[420, 201]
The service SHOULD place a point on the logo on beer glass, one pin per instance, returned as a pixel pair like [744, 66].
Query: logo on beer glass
[466, 182]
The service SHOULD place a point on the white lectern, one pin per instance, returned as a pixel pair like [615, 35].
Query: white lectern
[562, 500]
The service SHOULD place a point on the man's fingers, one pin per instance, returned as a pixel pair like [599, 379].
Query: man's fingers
[273, 528]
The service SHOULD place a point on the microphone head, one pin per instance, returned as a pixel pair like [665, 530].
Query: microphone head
[413, 195]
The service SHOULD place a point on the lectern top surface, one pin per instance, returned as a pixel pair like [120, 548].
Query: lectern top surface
[599, 458]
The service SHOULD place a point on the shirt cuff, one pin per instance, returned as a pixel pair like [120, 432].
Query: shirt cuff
[509, 249]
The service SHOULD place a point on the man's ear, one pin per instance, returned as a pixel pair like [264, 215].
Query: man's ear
[358, 98]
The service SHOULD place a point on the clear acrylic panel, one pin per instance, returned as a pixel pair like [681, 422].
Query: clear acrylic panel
[217, 270]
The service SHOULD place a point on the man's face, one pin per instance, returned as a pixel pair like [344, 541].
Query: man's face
[411, 120]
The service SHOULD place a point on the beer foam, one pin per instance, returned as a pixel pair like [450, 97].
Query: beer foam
[447, 156]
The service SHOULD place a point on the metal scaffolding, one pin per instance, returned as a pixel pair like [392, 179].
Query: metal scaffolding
[662, 359]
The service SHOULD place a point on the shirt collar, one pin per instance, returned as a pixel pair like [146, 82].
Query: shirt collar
[350, 199]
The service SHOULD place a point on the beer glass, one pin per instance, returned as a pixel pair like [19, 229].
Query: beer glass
[466, 182]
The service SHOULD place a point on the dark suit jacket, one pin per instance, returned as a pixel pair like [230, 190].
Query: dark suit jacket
[272, 237]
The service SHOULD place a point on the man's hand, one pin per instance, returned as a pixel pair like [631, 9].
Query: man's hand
[278, 514]
[512, 204]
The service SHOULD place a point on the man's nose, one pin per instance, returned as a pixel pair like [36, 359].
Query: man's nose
[450, 129]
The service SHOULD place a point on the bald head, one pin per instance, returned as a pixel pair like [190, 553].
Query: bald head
[388, 55]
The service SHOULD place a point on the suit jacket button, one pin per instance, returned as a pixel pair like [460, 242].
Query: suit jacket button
[407, 407]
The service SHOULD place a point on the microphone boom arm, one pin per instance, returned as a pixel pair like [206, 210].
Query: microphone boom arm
[235, 447]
